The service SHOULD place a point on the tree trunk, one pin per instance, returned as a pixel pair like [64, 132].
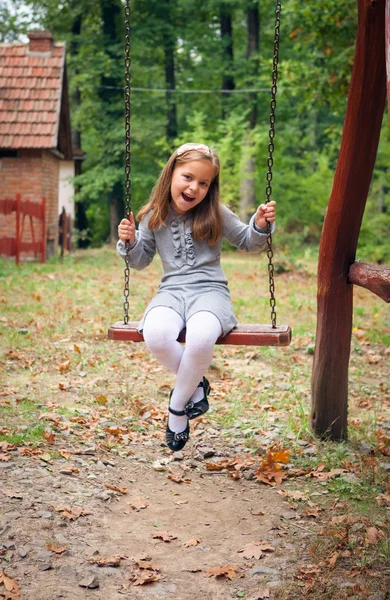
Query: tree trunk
[225, 19]
[247, 189]
[169, 41]
[342, 223]
[111, 93]
[253, 24]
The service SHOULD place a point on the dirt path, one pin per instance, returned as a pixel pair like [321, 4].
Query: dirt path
[214, 513]
[53, 524]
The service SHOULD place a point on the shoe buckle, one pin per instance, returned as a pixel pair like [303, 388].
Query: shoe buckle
[180, 436]
[189, 405]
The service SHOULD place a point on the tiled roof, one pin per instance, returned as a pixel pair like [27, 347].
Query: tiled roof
[30, 96]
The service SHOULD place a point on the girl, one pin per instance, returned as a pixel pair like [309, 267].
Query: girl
[185, 222]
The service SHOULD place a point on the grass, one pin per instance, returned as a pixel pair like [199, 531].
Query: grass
[55, 356]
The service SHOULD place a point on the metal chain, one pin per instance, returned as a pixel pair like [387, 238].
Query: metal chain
[271, 147]
[126, 291]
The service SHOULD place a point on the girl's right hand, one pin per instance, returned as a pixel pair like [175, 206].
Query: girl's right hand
[126, 230]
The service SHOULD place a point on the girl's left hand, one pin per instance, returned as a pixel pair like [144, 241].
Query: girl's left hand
[265, 212]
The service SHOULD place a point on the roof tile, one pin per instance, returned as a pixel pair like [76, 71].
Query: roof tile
[30, 96]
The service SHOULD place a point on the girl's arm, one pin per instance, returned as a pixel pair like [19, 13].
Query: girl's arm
[142, 242]
[250, 238]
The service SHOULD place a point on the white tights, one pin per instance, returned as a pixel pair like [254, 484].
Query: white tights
[161, 329]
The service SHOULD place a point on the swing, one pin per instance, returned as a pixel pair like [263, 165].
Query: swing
[242, 335]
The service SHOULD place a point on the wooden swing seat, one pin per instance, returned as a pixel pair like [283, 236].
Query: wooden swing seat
[242, 335]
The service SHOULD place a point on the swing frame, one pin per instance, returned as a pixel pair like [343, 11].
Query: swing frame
[243, 334]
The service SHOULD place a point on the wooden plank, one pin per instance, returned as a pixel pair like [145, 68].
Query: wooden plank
[242, 335]
[375, 278]
[362, 126]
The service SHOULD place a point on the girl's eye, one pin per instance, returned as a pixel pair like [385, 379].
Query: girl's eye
[186, 177]
[204, 184]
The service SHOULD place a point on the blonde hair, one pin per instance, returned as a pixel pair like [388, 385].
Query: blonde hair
[207, 224]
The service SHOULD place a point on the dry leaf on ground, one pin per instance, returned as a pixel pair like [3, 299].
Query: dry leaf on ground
[57, 549]
[145, 577]
[228, 571]
[179, 478]
[115, 488]
[192, 542]
[138, 503]
[256, 549]
[164, 536]
[11, 585]
[101, 561]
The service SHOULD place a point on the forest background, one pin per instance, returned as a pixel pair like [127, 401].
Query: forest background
[183, 54]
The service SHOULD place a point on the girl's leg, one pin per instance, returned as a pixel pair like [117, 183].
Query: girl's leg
[203, 330]
[162, 326]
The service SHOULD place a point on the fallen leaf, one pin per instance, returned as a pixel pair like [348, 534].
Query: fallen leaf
[115, 488]
[251, 550]
[229, 571]
[101, 561]
[49, 417]
[146, 564]
[373, 535]
[49, 436]
[269, 471]
[138, 503]
[145, 577]
[333, 559]
[164, 536]
[72, 512]
[192, 542]
[101, 399]
[57, 549]
[11, 585]
[179, 479]
[63, 367]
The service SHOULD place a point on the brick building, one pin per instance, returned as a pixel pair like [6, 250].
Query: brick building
[36, 155]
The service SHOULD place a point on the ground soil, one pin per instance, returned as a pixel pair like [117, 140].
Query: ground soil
[207, 508]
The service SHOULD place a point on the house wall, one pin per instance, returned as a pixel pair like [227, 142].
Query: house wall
[50, 179]
[33, 174]
[66, 189]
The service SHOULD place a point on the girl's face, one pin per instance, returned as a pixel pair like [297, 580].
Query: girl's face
[190, 184]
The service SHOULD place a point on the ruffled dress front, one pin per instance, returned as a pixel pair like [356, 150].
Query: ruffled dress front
[193, 279]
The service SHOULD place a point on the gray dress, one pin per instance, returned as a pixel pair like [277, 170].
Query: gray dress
[193, 279]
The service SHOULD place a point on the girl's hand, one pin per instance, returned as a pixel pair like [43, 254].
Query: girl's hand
[126, 230]
[265, 212]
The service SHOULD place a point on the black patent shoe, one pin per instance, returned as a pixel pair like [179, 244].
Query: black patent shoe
[196, 409]
[177, 441]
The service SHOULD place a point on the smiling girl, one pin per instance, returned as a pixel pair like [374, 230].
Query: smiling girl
[185, 223]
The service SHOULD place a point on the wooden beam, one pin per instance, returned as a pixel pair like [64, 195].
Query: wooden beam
[359, 144]
[375, 278]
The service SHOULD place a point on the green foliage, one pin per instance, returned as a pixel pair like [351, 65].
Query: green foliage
[316, 57]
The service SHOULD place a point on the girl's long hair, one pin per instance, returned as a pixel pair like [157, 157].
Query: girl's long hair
[207, 225]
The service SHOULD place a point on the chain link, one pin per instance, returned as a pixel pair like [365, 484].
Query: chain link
[271, 147]
[126, 291]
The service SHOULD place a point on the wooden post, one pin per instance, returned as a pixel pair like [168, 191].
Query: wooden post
[18, 231]
[342, 223]
[43, 229]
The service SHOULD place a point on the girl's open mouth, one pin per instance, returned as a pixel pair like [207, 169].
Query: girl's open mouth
[187, 198]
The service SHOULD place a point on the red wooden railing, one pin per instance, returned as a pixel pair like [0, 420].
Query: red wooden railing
[14, 246]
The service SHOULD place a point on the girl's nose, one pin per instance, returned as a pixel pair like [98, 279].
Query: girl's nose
[193, 186]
